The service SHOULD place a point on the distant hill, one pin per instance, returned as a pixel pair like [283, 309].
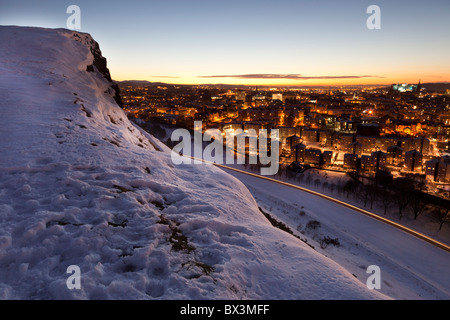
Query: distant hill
[439, 86]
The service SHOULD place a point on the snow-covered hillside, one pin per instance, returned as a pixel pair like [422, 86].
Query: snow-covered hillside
[81, 185]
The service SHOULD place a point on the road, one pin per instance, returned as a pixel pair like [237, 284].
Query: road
[413, 267]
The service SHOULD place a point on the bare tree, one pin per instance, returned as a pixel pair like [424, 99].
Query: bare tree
[442, 215]
[349, 187]
[385, 200]
[362, 193]
[373, 194]
[404, 188]
[418, 204]
[317, 182]
[331, 187]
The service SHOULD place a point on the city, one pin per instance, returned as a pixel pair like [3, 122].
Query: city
[387, 131]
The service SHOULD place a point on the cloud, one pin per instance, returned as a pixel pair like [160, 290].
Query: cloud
[286, 76]
[170, 77]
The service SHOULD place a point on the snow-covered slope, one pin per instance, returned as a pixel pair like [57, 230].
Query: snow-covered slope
[81, 185]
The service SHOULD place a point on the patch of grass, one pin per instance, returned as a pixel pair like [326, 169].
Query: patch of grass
[280, 225]
[158, 204]
[178, 240]
[205, 268]
[123, 224]
[313, 224]
[122, 189]
[326, 241]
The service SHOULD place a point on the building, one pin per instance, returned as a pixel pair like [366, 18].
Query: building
[241, 96]
[252, 126]
[368, 129]
[331, 139]
[285, 132]
[277, 96]
[366, 163]
[438, 170]
[379, 159]
[300, 152]
[312, 156]
[405, 87]
[385, 142]
[355, 148]
[344, 141]
[413, 161]
[310, 135]
[432, 169]
[327, 158]
[292, 141]
[369, 144]
[443, 174]
[394, 155]
[406, 144]
[422, 145]
[350, 161]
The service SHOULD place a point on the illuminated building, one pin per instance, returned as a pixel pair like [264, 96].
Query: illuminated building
[312, 156]
[394, 155]
[327, 158]
[350, 161]
[404, 87]
[413, 160]
[378, 160]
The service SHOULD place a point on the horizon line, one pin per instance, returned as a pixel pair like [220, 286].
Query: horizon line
[278, 85]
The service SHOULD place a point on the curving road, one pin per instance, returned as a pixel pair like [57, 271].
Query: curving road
[413, 265]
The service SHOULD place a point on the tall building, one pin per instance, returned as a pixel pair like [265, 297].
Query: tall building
[300, 152]
[292, 141]
[327, 158]
[312, 156]
[413, 161]
[285, 132]
[394, 155]
[310, 135]
[421, 144]
[379, 159]
[438, 169]
[350, 161]
[431, 169]
[443, 174]
[345, 140]
[366, 163]
[385, 142]
[368, 143]
[355, 148]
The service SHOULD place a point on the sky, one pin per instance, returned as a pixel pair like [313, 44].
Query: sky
[258, 42]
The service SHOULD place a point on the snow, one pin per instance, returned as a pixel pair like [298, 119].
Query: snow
[81, 185]
[410, 267]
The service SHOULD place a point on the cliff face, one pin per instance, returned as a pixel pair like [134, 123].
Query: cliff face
[81, 185]
[100, 63]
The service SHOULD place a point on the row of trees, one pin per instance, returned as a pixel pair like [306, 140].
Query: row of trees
[402, 196]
